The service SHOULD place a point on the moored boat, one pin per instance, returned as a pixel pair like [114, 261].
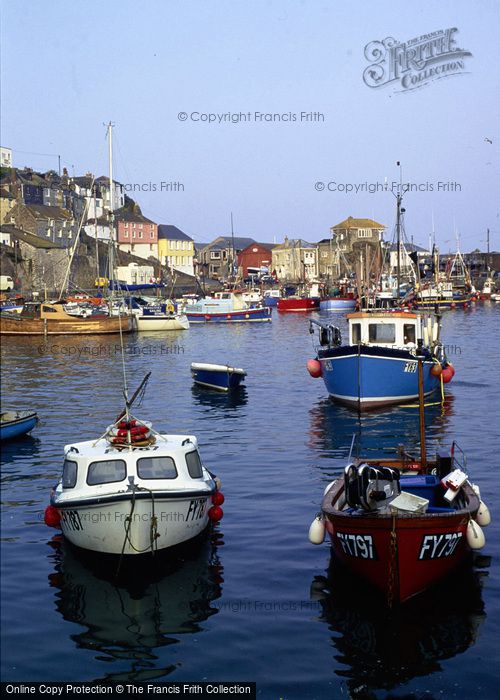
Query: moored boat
[225, 307]
[15, 424]
[156, 315]
[338, 304]
[377, 366]
[298, 304]
[50, 318]
[133, 490]
[220, 377]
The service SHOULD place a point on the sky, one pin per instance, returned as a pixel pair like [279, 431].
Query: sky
[158, 68]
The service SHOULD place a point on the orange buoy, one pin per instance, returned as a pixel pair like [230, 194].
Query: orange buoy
[436, 369]
[448, 373]
[215, 513]
[314, 368]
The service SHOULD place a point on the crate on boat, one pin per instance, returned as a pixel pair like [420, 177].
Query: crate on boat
[409, 503]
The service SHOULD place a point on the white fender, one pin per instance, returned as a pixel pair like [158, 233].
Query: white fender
[475, 536]
[483, 516]
[328, 487]
[317, 531]
[426, 337]
[435, 330]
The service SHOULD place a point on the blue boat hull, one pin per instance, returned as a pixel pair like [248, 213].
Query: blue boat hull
[337, 304]
[18, 427]
[222, 380]
[246, 316]
[374, 377]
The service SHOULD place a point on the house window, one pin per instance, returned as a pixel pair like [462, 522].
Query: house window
[125, 235]
[140, 234]
[151, 234]
[133, 225]
[140, 225]
[364, 233]
[126, 225]
[215, 255]
[133, 234]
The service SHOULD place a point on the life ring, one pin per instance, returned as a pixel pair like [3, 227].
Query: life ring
[170, 308]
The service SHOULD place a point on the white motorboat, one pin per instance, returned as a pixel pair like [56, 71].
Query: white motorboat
[151, 315]
[134, 490]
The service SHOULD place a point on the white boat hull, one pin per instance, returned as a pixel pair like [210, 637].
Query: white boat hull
[135, 527]
[162, 323]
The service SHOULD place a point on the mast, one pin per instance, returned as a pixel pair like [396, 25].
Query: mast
[420, 359]
[232, 246]
[399, 197]
[111, 216]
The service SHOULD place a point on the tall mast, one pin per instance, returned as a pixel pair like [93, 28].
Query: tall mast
[232, 246]
[111, 214]
[398, 232]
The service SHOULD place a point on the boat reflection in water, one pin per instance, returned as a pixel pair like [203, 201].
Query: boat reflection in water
[220, 400]
[378, 433]
[128, 616]
[381, 649]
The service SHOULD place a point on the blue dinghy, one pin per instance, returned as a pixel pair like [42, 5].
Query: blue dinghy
[221, 377]
[14, 424]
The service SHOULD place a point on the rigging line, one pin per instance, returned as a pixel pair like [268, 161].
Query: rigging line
[73, 251]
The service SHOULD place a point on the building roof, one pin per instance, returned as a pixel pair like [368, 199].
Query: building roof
[222, 242]
[409, 247]
[128, 214]
[267, 246]
[293, 243]
[172, 233]
[40, 211]
[350, 222]
[29, 238]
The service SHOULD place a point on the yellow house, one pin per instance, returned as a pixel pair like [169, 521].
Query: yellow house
[175, 249]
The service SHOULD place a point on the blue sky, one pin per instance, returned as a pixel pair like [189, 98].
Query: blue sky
[69, 67]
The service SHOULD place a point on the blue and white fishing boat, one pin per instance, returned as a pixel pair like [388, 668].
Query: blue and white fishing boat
[221, 377]
[156, 314]
[378, 366]
[225, 307]
[15, 424]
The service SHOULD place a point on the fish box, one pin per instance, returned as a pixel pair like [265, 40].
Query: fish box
[409, 503]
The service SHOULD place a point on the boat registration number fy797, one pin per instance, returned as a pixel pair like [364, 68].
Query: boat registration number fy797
[360, 546]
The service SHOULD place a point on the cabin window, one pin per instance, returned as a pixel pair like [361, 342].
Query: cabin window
[106, 472]
[70, 470]
[356, 333]
[382, 333]
[49, 309]
[409, 333]
[193, 462]
[156, 468]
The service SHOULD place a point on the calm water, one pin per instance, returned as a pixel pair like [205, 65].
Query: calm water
[253, 600]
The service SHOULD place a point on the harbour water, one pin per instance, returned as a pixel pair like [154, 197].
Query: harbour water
[253, 601]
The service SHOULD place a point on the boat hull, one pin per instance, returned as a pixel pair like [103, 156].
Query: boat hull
[218, 377]
[20, 325]
[298, 305]
[245, 316]
[337, 304]
[155, 524]
[374, 377]
[19, 426]
[162, 323]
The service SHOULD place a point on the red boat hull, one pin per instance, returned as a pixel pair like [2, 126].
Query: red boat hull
[423, 552]
[291, 304]
[400, 553]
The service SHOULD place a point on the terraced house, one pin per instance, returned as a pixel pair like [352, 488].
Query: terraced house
[175, 249]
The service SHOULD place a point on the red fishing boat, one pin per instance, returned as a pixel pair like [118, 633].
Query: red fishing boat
[403, 524]
[298, 304]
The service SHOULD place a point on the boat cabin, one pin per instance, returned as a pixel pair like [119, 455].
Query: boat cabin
[397, 329]
[96, 468]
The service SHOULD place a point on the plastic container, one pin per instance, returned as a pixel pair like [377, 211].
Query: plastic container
[409, 503]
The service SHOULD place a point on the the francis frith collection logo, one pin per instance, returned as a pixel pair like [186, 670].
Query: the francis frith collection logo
[414, 63]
